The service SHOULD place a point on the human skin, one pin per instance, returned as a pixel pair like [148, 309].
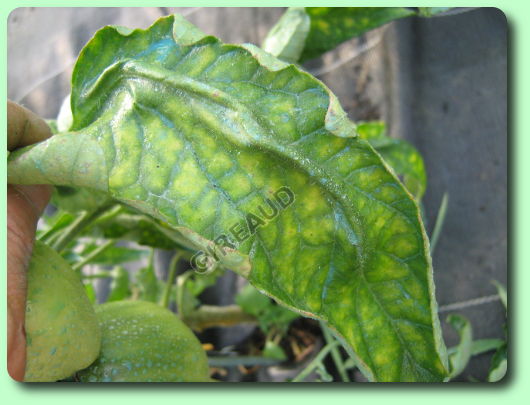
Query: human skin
[25, 204]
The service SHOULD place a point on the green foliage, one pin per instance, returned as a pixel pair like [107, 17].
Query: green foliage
[120, 287]
[75, 199]
[287, 39]
[113, 255]
[400, 155]
[274, 351]
[331, 26]
[269, 315]
[149, 286]
[431, 11]
[501, 290]
[462, 353]
[199, 134]
[499, 364]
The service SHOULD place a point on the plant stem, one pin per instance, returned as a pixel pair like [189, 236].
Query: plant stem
[315, 362]
[181, 283]
[88, 258]
[335, 353]
[440, 219]
[170, 279]
[82, 221]
[207, 316]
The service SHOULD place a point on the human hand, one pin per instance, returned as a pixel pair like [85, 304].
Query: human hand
[25, 205]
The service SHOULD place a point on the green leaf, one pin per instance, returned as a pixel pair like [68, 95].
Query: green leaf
[331, 26]
[200, 135]
[140, 229]
[54, 224]
[499, 364]
[269, 315]
[402, 157]
[286, 40]
[149, 285]
[462, 354]
[274, 351]
[120, 288]
[431, 11]
[76, 199]
[252, 301]
[199, 282]
[53, 126]
[90, 292]
[65, 118]
[114, 255]
[501, 290]
[480, 346]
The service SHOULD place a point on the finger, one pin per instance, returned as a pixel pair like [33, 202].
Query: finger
[24, 127]
[25, 205]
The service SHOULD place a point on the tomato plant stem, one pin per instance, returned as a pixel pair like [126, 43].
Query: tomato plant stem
[170, 279]
[335, 353]
[315, 362]
[88, 258]
[207, 316]
[74, 229]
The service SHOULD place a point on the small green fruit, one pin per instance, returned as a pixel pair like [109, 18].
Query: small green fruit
[143, 342]
[62, 332]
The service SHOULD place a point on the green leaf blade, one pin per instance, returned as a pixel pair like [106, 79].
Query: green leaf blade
[202, 134]
[402, 157]
[286, 40]
[331, 26]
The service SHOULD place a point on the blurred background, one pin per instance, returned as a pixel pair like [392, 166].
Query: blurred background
[440, 83]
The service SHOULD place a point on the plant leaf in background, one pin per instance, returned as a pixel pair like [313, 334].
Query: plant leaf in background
[53, 224]
[501, 290]
[286, 40]
[462, 354]
[148, 284]
[200, 134]
[399, 154]
[480, 346]
[120, 287]
[131, 225]
[432, 11]
[330, 26]
[114, 255]
[499, 364]
[267, 313]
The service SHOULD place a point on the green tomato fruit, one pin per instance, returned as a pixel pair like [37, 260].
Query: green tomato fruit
[143, 342]
[62, 332]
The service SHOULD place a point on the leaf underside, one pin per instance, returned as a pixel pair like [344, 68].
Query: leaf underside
[199, 134]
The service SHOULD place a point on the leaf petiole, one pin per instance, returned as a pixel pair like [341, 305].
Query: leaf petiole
[170, 279]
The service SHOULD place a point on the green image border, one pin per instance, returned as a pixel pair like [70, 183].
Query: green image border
[513, 388]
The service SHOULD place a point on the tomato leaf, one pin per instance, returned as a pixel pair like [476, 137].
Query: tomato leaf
[462, 353]
[331, 26]
[204, 136]
[499, 364]
[119, 289]
[286, 40]
[401, 156]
